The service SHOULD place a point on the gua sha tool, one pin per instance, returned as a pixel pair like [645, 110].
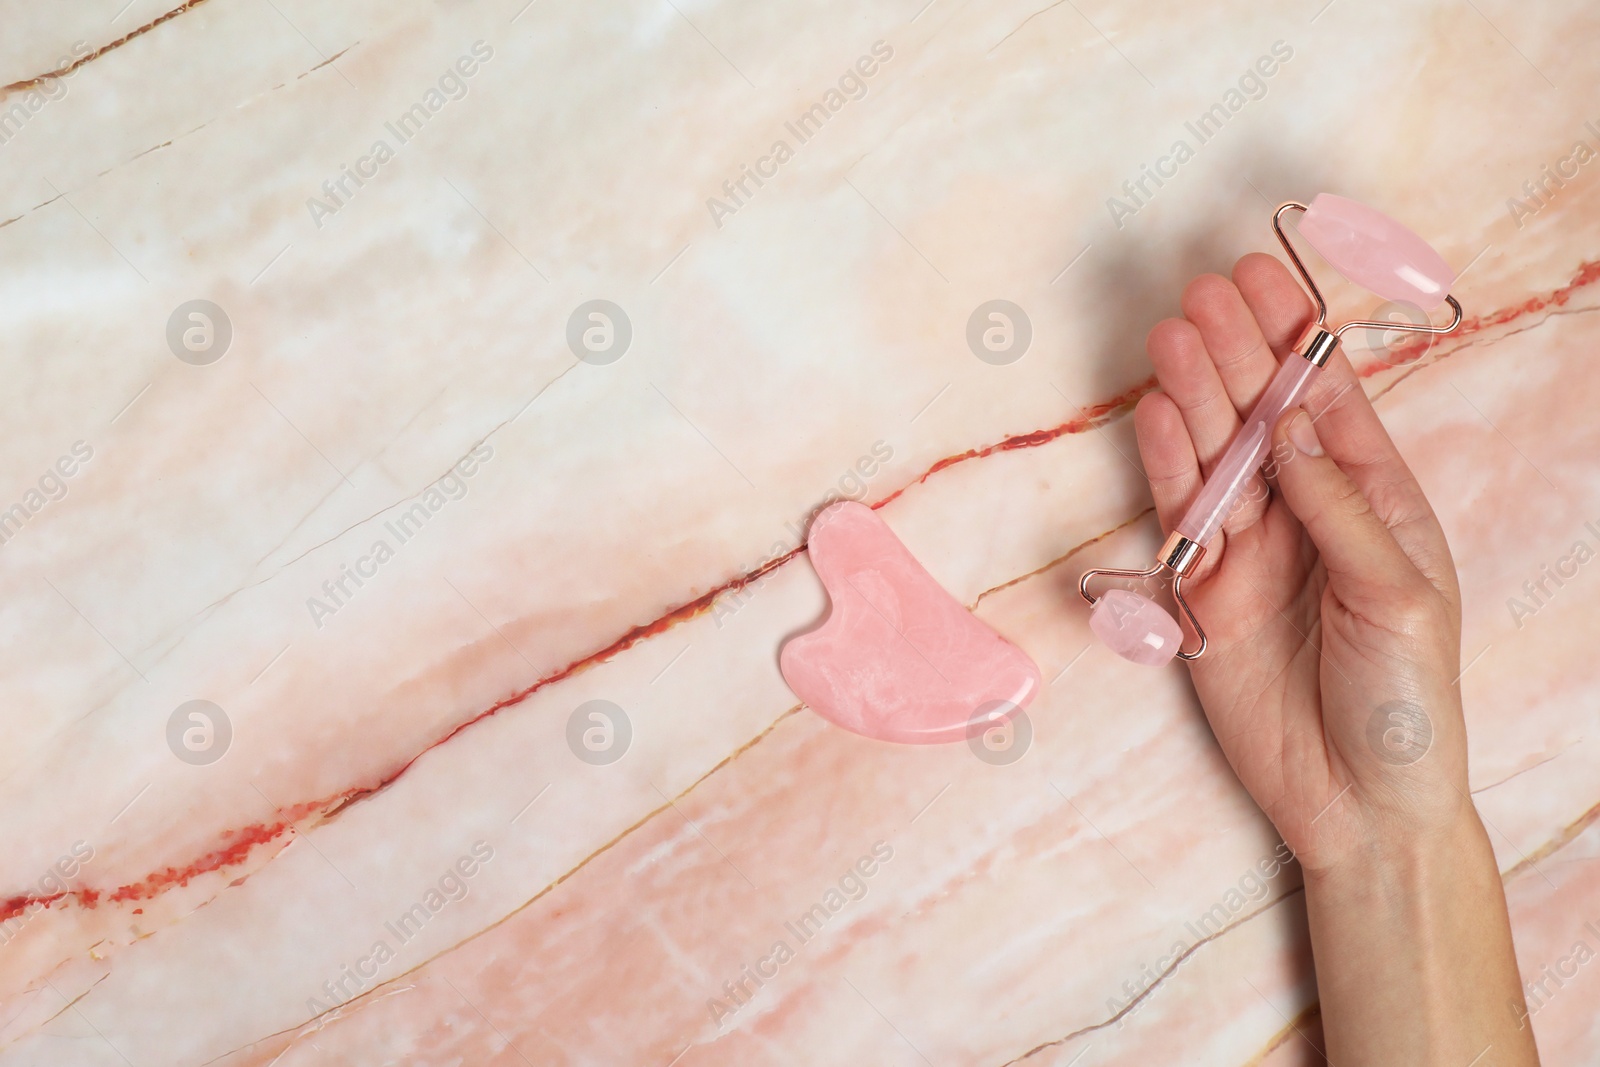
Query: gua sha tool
[1370, 249]
[898, 658]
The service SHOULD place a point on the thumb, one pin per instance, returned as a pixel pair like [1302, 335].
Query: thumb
[1362, 556]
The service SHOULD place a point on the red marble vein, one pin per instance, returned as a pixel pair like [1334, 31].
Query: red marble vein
[1587, 274]
[152, 885]
[10, 909]
[248, 838]
[1096, 415]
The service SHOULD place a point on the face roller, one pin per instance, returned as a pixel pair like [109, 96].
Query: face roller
[1368, 248]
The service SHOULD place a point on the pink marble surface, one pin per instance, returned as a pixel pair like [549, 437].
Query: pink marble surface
[422, 841]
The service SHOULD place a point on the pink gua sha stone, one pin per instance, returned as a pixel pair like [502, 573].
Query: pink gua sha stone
[1135, 627]
[898, 658]
[1376, 252]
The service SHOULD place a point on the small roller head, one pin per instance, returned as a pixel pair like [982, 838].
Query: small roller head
[1135, 627]
[1376, 252]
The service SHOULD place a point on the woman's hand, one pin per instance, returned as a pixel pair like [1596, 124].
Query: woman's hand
[1334, 624]
[1331, 607]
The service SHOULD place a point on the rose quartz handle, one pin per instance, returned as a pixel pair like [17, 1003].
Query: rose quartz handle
[1249, 448]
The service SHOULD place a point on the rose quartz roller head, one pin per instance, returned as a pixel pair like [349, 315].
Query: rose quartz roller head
[1370, 249]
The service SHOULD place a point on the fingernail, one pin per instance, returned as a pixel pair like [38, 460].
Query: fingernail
[1304, 435]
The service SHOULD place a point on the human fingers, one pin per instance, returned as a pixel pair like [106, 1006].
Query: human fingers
[1228, 328]
[1346, 423]
[1189, 377]
[1281, 308]
[1168, 457]
[1370, 572]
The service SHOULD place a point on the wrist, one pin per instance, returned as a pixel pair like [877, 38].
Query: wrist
[1413, 950]
[1401, 857]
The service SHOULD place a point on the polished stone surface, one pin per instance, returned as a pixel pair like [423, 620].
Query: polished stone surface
[897, 658]
[1376, 252]
[470, 506]
[1135, 628]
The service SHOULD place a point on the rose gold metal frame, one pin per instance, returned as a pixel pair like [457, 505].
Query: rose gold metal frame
[1322, 305]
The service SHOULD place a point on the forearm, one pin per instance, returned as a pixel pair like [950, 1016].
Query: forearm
[1413, 953]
